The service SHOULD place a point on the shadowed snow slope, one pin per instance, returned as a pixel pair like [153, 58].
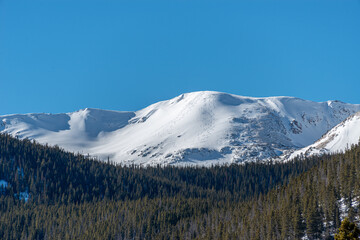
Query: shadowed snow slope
[200, 128]
[338, 139]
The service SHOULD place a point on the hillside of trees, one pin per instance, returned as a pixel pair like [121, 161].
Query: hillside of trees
[53, 194]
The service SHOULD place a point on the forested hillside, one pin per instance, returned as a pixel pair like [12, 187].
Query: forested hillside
[47, 193]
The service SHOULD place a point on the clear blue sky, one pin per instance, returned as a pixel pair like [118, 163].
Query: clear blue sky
[64, 55]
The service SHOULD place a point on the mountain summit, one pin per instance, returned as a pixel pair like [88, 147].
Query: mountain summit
[199, 128]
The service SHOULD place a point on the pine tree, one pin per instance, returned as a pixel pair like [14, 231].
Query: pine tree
[347, 231]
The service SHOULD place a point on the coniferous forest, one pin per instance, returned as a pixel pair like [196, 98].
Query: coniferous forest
[48, 193]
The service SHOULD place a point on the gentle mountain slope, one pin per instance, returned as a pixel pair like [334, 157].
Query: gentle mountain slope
[73, 131]
[200, 128]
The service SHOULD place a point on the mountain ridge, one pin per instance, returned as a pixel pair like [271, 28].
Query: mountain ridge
[198, 128]
[338, 139]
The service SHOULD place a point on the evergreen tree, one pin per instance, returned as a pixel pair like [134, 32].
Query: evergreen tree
[347, 231]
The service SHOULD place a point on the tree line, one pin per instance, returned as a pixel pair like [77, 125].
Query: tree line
[76, 197]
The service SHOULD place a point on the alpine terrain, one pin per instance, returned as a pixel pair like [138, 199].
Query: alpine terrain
[199, 128]
[338, 139]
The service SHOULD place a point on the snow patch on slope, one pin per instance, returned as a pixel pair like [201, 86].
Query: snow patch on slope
[3, 184]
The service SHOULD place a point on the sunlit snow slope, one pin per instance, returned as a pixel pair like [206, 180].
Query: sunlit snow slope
[200, 128]
[338, 139]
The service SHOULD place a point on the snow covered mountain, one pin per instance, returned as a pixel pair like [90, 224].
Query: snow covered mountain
[199, 128]
[338, 139]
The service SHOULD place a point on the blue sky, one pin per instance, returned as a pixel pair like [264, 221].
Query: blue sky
[64, 55]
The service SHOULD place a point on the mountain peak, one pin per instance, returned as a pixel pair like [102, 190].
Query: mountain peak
[201, 128]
